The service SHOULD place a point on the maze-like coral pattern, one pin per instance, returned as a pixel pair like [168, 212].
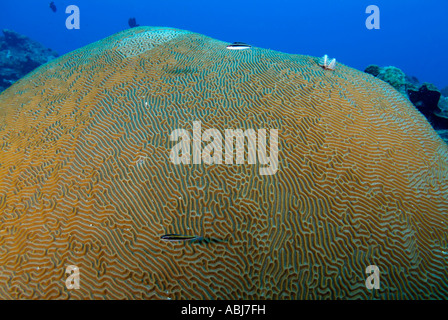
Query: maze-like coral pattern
[86, 178]
[141, 42]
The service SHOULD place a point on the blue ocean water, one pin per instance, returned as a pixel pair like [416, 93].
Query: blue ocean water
[413, 34]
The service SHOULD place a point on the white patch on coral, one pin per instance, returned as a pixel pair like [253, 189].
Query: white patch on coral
[144, 41]
[326, 63]
[332, 64]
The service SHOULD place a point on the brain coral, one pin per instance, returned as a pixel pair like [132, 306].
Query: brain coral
[86, 178]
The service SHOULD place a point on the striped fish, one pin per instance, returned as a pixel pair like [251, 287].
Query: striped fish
[198, 239]
[238, 46]
[179, 237]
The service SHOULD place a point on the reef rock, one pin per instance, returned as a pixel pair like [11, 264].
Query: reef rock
[443, 113]
[87, 178]
[443, 134]
[411, 82]
[444, 91]
[395, 77]
[425, 97]
[20, 55]
[373, 69]
[443, 106]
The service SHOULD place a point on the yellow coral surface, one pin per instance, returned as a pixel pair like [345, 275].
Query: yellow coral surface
[86, 178]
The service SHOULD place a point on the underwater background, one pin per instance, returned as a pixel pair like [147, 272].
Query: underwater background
[413, 34]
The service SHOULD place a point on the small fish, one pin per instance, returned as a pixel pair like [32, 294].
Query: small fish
[238, 46]
[53, 6]
[179, 237]
[132, 23]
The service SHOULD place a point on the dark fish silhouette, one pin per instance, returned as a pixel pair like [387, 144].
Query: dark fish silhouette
[132, 23]
[53, 6]
[179, 237]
